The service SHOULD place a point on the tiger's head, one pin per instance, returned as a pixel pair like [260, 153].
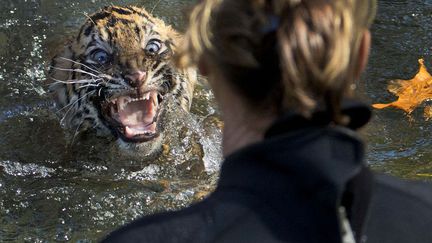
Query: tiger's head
[116, 77]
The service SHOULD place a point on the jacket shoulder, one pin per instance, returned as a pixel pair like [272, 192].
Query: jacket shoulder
[163, 227]
[217, 218]
[400, 211]
[419, 192]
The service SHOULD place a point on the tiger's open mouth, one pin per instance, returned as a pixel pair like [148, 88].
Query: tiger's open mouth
[134, 118]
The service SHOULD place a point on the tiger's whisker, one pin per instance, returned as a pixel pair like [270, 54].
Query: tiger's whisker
[77, 131]
[70, 106]
[106, 76]
[155, 6]
[89, 85]
[88, 17]
[80, 63]
[76, 81]
[76, 70]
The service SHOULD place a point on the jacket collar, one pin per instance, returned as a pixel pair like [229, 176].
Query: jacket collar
[310, 160]
[358, 115]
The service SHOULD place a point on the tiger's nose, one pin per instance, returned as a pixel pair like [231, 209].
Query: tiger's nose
[137, 78]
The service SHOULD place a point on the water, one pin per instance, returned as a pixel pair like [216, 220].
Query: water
[52, 191]
[397, 144]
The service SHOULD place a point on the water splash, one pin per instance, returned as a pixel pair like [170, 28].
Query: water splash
[20, 169]
[50, 191]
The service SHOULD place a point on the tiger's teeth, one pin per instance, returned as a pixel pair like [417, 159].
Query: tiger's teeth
[128, 130]
[155, 101]
[122, 102]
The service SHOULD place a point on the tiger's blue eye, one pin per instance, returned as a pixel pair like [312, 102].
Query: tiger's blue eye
[153, 47]
[101, 57]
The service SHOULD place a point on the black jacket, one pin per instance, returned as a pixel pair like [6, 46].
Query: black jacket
[290, 187]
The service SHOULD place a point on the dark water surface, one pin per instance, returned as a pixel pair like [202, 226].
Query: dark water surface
[51, 191]
[401, 35]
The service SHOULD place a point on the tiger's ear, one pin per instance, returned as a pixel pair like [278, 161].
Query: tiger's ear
[59, 72]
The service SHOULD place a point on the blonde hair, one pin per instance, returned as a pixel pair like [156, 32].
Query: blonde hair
[315, 42]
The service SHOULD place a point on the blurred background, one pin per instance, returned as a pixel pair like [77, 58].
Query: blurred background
[51, 191]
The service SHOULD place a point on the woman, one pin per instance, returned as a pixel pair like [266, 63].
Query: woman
[282, 72]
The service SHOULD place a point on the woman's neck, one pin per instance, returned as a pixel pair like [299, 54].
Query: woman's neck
[242, 129]
[243, 124]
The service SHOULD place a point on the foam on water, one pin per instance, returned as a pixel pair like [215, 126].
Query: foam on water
[33, 170]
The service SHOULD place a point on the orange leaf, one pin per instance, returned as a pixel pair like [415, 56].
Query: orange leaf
[411, 93]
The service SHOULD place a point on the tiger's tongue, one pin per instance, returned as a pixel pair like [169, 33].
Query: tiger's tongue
[137, 117]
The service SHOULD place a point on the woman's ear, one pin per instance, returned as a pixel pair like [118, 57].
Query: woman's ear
[364, 50]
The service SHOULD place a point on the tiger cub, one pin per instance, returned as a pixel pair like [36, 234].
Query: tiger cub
[116, 77]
